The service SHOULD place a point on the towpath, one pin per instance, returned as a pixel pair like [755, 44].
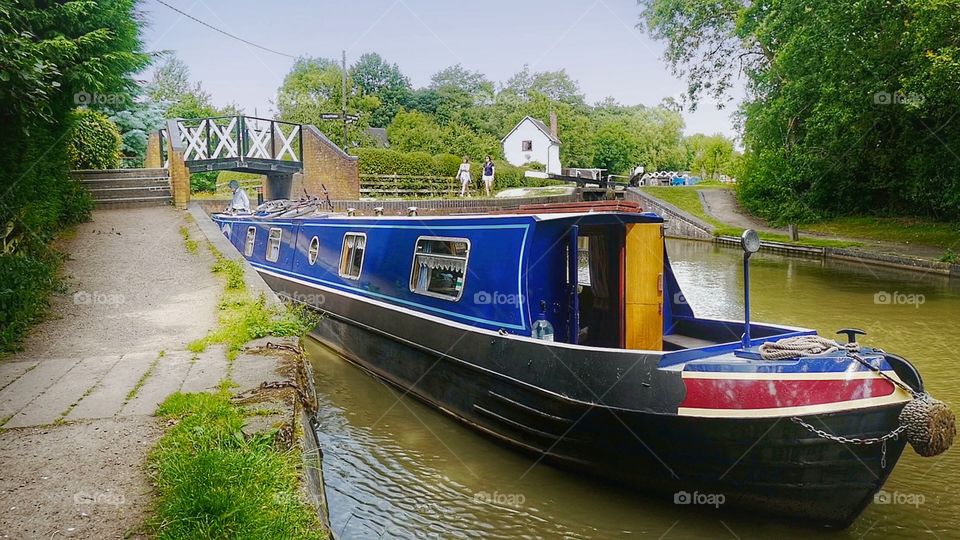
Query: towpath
[76, 404]
[722, 205]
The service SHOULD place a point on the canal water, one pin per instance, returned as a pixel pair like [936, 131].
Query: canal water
[395, 468]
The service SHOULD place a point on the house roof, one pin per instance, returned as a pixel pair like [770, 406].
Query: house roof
[539, 125]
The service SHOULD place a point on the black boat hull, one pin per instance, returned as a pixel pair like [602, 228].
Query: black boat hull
[578, 419]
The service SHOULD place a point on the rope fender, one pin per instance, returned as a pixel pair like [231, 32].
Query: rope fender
[930, 425]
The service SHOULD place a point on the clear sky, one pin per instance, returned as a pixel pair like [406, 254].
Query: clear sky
[596, 41]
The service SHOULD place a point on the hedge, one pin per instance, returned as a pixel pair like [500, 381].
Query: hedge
[95, 142]
[385, 161]
[39, 200]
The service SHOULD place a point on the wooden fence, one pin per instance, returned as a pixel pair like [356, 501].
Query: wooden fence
[398, 186]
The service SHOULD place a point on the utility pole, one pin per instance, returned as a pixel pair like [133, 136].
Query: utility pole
[343, 100]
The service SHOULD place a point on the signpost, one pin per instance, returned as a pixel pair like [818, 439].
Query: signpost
[351, 118]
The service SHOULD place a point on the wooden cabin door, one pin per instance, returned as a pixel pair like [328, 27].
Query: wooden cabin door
[643, 287]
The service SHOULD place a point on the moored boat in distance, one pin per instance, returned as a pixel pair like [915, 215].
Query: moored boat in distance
[562, 331]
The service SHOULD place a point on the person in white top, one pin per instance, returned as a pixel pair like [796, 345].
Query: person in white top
[240, 203]
[463, 174]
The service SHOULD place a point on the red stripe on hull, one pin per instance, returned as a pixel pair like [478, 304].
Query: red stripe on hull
[767, 394]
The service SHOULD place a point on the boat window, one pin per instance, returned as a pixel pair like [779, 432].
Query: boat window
[273, 244]
[439, 267]
[314, 250]
[251, 240]
[226, 230]
[351, 255]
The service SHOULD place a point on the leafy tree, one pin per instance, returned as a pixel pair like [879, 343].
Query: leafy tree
[555, 85]
[851, 105]
[709, 156]
[415, 131]
[704, 43]
[458, 78]
[375, 76]
[135, 123]
[50, 53]
[171, 89]
[314, 86]
[617, 147]
[171, 80]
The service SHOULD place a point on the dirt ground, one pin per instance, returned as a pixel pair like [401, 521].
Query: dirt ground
[76, 404]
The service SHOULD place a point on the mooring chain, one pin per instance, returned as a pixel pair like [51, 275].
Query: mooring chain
[289, 384]
[849, 440]
[855, 440]
[879, 372]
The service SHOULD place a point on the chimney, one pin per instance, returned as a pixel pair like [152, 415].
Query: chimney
[553, 124]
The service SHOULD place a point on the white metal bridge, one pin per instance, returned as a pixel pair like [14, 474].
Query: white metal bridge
[241, 143]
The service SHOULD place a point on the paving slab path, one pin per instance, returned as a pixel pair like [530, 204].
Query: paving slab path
[76, 404]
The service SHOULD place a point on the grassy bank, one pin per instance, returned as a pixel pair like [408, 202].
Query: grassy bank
[242, 318]
[215, 481]
[902, 230]
[688, 200]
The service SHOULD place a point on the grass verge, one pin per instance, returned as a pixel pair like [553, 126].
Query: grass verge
[945, 236]
[214, 481]
[188, 242]
[688, 200]
[242, 318]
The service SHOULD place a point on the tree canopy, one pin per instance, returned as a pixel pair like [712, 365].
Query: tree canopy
[314, 86]
[851, 106]
[463, 112]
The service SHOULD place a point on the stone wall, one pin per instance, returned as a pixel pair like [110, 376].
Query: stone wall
[679, 224]
[325, 164]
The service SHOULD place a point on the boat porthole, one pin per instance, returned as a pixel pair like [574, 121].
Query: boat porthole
[314, 250]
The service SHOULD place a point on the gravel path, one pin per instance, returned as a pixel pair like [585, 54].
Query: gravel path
[722, 205]
[76, 404]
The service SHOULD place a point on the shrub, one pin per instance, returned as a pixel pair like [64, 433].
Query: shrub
[203, 182]
[385, 161]
[27, 281]
[535, 166]
[443, 166]
[224, 178]
[95, 142]
[446, 164]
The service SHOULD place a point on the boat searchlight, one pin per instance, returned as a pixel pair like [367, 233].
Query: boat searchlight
[750, 242]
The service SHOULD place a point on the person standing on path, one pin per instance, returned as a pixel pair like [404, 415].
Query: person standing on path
[463, 174]
[488, 170]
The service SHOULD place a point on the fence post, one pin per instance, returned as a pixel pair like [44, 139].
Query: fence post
[273, 139]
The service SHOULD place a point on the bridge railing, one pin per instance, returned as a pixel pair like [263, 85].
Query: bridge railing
[237, 138]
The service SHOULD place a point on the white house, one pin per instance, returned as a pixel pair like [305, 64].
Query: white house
[532, 140]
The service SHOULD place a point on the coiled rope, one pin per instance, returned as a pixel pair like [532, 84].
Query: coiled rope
[928, 423]
[803, 346]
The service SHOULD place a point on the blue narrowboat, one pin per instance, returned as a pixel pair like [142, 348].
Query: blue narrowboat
[561, 331]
